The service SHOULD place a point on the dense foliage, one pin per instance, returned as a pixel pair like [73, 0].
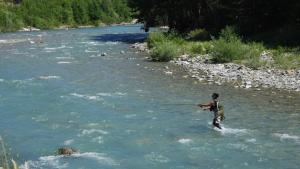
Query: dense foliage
[274, 20]
[52, 13]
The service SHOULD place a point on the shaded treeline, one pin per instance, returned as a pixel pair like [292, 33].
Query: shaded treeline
[44, 14]
[273, 20]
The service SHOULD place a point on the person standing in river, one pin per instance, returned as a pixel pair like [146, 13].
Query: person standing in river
[216, 108]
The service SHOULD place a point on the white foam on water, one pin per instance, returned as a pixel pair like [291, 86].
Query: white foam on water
[105, 94]
[64, 57]
[68, 142]
[112, 43]
[11, 41]
[93, 124]
[92, 43]
[130, 131]
[58, 162]
[239, 146]
[156, 158]
[185, 141]
[1, 80]
[3, 41]
[99, 157]
[49, 77]
[64, 62]
[120, 94]
[225, 130]
[55, 48]
[92, 131]
[98, 140]
[45, 162]
[91, 51]
[40, 118]
[129, 116]
[26, 165]
[22, 82]
[251, 140]
[87, 97]
[49, 51]
[112, 94]
[94, 56]
[284, 136]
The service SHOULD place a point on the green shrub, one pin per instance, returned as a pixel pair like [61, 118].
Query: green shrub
[175, 38]
[227, 51]
[199, 34]
[9, 21]
[156, 37]
[165, 51]
[199, 47]
[252, 55]
[229, 47]
[286, 58]
[41, 23]
[229, 34]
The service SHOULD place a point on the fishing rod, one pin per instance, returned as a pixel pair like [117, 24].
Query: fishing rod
[179, 104]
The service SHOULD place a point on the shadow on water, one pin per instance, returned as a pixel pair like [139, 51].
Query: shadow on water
[125, 37]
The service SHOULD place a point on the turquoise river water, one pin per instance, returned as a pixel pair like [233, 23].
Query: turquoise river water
[121, 111]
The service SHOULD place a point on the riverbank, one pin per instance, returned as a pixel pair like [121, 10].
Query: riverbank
[66, 27]
[201, 68]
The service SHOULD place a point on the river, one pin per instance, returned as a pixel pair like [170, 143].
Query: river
[86, 89]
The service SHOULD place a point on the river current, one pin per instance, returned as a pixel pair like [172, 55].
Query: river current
[86, 89]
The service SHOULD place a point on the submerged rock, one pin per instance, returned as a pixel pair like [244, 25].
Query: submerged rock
[66, 151]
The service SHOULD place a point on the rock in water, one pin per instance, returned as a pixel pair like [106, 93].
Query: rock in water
[66, 151]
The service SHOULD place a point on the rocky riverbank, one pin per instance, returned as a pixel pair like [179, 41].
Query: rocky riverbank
[201, 68]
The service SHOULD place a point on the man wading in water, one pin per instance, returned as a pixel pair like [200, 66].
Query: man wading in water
[217, 109]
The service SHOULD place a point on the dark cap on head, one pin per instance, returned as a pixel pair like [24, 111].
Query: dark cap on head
[215, 95]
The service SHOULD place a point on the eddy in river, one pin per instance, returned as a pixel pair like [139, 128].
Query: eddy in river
[217, 109]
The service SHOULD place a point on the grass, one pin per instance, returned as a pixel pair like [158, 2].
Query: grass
[228, 47]
[287, 58]
[4, 162]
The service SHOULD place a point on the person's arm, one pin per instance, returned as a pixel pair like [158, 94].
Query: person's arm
[205, 106]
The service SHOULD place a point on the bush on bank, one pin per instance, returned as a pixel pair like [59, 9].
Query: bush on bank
[228, 47]
[9, 21]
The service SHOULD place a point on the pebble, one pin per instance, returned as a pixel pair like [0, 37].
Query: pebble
[249, 78]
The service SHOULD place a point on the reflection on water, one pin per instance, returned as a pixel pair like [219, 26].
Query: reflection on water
[121, 111]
